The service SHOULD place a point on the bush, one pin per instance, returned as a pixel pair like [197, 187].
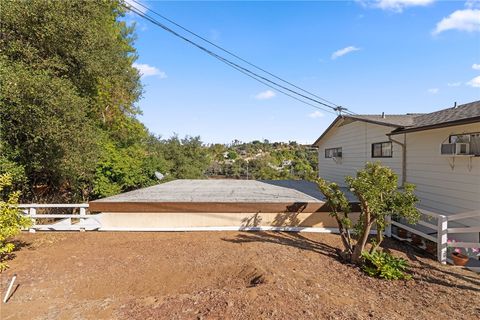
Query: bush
[384, 265]
[11, 220]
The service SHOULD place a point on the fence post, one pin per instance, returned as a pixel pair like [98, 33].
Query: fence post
[83, 212]
[442, 238]
[388, 227]
[32, 211]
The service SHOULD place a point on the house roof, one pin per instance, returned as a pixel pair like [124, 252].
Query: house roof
[391, 120]
[463, 114]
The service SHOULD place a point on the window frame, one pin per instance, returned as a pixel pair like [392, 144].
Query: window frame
[334, 153]
[381, 149]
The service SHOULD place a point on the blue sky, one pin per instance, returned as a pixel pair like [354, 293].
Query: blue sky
[392, 56]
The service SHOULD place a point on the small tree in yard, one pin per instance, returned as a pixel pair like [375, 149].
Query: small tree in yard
[11, 220]
[376, 189]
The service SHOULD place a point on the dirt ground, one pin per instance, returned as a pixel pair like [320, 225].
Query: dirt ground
[222, 275]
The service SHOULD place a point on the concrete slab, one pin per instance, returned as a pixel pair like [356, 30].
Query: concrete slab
[226, 191]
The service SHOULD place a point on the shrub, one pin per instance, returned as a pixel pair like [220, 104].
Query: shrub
[11, 220]
[377, 191]
[384, 265]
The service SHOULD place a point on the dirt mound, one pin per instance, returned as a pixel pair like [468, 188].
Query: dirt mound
[253, 275]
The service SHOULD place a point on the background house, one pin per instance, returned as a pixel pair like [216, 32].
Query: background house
[439, 152]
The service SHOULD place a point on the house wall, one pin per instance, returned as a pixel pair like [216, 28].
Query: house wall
[356, 140]
[445, 184]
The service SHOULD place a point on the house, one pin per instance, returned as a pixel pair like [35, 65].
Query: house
[439, 152]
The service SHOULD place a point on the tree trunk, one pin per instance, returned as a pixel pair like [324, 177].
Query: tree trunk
[344, 235]
[378, 238]
[362, 241]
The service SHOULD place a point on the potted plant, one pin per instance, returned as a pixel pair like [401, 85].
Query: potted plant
[402, 233]
[459, 259]
[430, 247]
[416, 239]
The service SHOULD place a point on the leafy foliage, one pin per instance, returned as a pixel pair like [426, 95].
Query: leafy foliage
[376, 188]
[384, 265]
[11, 219]
[263, 160]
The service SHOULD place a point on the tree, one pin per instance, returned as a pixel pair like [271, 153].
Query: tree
[67, 93]
[376, 188]
[11, 219]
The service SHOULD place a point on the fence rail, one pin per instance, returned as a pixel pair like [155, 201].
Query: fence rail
[441, 230]
[86, 220]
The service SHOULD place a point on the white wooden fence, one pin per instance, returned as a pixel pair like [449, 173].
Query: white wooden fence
[62, 222]
[442, 230]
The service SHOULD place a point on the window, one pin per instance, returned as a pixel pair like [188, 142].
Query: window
[382, 150]
[333, 153]
[473, 139]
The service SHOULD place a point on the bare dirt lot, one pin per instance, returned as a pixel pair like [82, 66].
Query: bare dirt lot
[222, 275]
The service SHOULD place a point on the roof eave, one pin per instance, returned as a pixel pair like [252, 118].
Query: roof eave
[315, 144]
[436, 126]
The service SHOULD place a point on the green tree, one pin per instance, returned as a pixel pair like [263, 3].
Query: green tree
[67, 93]
[376, 188]
[11, 219]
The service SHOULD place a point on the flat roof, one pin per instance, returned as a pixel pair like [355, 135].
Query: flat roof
[224, 191]
[217, 196]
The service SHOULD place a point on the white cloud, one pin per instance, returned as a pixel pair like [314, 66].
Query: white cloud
[315, 114]
[265, 95]
[462, 20]
[344, 51]
[475, 82]
[472, 4]
[147, 70]
[394, 5]
[476, 66]
[433, 90]
[454, 84]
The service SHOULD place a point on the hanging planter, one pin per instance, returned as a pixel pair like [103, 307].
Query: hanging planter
[459, 259]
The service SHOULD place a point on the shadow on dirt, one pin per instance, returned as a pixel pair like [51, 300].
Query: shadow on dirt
[430, 273]
[19, 245]
[291, 239]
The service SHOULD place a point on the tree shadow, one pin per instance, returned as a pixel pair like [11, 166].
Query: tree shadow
[414, 254]
[291, 239]
[19, 245]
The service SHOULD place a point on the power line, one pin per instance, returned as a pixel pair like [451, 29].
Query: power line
[231, 53]
[245, 71]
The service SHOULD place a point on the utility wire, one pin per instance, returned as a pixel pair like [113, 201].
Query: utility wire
[238, 67]
[231, 53]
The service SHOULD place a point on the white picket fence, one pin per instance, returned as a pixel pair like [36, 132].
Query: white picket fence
[442, 230]
[62, 222]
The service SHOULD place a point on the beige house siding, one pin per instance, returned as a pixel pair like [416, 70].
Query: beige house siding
[355, 138]
[445, 184]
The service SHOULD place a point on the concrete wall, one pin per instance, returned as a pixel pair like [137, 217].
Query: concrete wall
[355, 138]
[151, 220]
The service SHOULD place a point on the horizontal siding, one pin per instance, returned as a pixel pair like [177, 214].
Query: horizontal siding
[355, 139]
[443, 185]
